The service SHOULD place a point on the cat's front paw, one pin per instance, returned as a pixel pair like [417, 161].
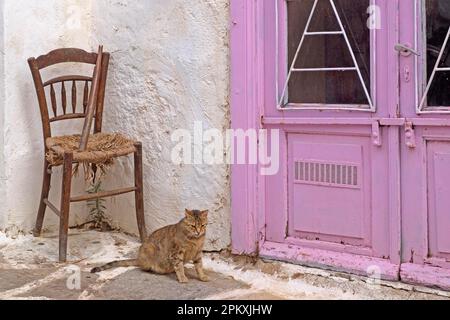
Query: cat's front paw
[204, 278]
[183, 280]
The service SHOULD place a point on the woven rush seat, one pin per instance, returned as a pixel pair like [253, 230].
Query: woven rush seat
[102, 148]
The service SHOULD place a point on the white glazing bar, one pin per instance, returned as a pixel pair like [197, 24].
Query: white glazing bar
[297, 52]
[320, 33]
[324, 69]
[366, 91]
[436, 69]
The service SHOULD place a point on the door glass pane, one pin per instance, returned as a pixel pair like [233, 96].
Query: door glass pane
[438, 22]
[329, 51]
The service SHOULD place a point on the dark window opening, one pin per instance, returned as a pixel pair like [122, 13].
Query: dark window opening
[328, 51]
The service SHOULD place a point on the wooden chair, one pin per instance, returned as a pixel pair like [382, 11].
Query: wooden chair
[84, 148]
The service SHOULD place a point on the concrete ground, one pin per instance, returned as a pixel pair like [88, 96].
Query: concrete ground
[28, 271]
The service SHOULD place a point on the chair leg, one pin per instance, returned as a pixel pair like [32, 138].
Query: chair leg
[139, 194]
[65, 206]
[47, 177]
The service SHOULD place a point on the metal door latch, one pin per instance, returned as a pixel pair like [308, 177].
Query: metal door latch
[410, 135]
[405, 50]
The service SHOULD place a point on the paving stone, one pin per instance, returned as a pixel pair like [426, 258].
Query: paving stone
[59, 289]
[258, 296]
[35, 259]
[139, 285]
[13, 279]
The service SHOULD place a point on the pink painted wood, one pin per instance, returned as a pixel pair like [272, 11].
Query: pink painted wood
[394, 217]
[244, 116]
[424, 168]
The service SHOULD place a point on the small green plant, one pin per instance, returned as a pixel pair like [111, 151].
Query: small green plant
[97, 207]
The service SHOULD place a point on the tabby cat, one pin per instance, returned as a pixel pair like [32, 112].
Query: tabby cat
[168, 249]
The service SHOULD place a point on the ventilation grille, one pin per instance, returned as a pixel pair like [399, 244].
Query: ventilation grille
[327, 174]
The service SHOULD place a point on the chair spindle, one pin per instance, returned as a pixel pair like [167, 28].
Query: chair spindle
[53, 99]
[64, 97]
[74, 96]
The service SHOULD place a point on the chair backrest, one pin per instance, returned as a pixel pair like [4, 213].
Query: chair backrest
[74, 109]
[92, 101]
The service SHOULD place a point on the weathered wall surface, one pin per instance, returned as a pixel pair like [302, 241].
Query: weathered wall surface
[30, 29]
[2, 110]
[169, 69]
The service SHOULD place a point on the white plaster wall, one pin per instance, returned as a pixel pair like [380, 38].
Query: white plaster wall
[169, 68]
[32, 28]
[2, 110]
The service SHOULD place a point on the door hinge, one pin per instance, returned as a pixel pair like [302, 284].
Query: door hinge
[410, 135]
[376, 133]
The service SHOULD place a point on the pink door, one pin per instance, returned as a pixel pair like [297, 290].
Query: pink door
[360, 94]
[425, 145]
[330, 72]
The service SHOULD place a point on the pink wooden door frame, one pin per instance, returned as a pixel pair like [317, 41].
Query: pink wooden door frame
[249, 43]
[246, 83]
[244, 178]
[382, 240]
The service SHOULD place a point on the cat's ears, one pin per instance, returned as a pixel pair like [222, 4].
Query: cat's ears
[190, 213]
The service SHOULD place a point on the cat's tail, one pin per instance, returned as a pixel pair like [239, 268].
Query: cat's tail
[116, 264]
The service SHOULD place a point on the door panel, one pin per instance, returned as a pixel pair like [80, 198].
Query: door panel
[335, 168]
[438, 159]
[425, 202]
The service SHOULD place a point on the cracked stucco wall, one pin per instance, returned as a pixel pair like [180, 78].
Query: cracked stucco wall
[169, 68]
[32, 28]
